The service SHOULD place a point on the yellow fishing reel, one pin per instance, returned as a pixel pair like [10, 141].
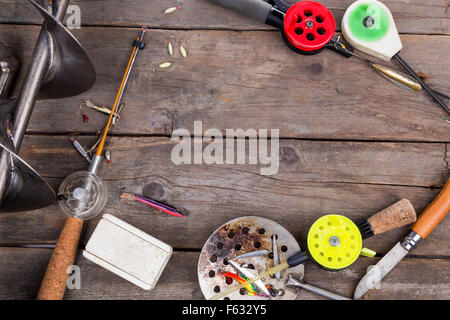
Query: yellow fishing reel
[335, 242]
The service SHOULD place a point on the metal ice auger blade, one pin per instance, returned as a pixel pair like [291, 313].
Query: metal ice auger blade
[22, 187]
[70, 71]
[8, 69]
[59, 68]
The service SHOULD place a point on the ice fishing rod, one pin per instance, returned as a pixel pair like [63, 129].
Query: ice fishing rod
[368, 25]
[82, 196]
[308, 26]
[138, 44]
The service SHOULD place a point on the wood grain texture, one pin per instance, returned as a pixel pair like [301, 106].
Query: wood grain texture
[414, 16]
[23, 269]
[408, 164]
[239, 74]
[315, 178]
[246, 80]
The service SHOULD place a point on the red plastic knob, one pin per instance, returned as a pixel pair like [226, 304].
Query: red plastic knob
[309, 25]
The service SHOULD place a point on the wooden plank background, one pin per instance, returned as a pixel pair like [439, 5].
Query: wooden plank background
[351, 142]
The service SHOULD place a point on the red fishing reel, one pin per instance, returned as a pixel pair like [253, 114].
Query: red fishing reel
[308, 26]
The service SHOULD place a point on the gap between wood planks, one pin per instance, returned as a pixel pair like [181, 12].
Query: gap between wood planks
[145, 135]
[51, 246]
[168, 28]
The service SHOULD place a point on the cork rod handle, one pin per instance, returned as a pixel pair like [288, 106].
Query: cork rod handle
[399, 214]
[54, 283]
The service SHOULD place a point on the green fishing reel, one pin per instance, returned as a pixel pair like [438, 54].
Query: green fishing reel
[335, 242]
[368, 26]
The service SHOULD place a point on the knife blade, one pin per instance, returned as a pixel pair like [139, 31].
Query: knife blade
[380, 270]
[426, 223]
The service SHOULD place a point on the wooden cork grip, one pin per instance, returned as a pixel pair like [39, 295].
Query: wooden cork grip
[434, 213]
[54, 284]
[399, 214]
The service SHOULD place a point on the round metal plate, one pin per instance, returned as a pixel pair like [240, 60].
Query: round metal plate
[239, 236]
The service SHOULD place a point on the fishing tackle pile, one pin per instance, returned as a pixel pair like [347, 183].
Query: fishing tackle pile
[334, 243]
[153, 203]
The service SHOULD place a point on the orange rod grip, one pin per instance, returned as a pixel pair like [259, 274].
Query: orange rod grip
[54, 283]
[434, 213]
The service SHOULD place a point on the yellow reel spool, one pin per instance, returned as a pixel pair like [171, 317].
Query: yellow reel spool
[334, 242]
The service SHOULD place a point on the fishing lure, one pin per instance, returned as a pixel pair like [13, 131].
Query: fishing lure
[154, 204]
[88, 103]
[250, 288]
[183, 51]
[445, 119]
[99, 134]
[108, 158]
[170, 47]
[171, 9]
[77, 145]
[165, 65]
[85, 118]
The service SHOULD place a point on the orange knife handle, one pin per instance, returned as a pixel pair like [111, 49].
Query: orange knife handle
[434, 213]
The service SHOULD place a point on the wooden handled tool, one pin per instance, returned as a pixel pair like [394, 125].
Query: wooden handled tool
[54, 283]
[399, 214]
[428, 220]
[434, 213]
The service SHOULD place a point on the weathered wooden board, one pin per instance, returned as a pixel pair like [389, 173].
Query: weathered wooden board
[247, 80]
[407, 164]
[239, 74]
[315, 178]
[416, 16]
[22, 271]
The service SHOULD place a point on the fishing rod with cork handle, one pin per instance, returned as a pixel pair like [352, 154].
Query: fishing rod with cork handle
[334, 242]
[82, 196]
